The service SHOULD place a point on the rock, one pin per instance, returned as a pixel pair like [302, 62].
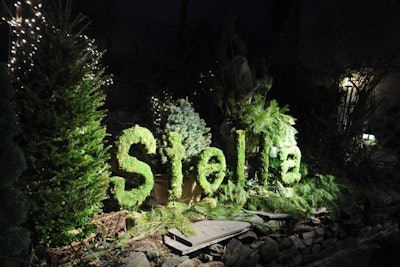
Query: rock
[343, 233]
[205, 257]
[312, 250]
[285, 243]
[345, 244]
[253, 258]
[357, 220]
[394, 195]
[328, 242]
[297, 243]
[308, 242]
[249, 218]
[244, 254]
[273, 263]
[263, 228]
[315, 221]
[152, 255]
[217, 252]
[213, 264]
[287, 255]
[351, 211]
[174, 261]
[274, 226]
[313, 237]
[375, 218]
[307, 235]
[295, 261]
[248, 237]
[232, 252]
[186, 263]
[335, 229]
[256, 244]
[328, 233]
[218, 248]
[310, 257]
[138, 259]
[268, 250]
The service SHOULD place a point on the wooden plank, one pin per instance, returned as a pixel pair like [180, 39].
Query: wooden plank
[183, 249]
[270, 215]
[208, 230]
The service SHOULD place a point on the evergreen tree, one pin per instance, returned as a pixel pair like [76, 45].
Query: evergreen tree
[183, 119]
[61, 109]
[13, 204]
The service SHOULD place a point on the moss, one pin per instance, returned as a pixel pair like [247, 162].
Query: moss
[290, 165]
[175, 152]
[205, 168]
[240, 157]
[134, 197]
[264, 158]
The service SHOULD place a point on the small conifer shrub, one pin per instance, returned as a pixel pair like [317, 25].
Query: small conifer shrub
[183, 119]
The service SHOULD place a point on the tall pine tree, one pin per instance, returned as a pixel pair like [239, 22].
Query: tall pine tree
[13, 204]
[61, 109]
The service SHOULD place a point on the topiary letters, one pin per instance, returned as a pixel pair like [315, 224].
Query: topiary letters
[211, 162]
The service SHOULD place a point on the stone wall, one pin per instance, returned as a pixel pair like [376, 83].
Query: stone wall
[363, 235]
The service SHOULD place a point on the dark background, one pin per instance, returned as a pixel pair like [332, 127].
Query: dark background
[306, 46]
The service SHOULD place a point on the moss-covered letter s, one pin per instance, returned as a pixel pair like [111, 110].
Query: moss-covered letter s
[134, 197]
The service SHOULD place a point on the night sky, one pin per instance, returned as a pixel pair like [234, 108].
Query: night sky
[156, 23]
[292, 38]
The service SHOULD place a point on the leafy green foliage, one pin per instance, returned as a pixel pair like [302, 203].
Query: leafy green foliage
[158, 221]
[256, 118]
[270, 133]
[301, 199]
[60, 105]
[183, 119]
[227, 203]
[13, 203]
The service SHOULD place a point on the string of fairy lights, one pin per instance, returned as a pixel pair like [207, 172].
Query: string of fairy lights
[26, 29]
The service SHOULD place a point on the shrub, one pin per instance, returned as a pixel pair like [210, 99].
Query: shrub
[268, 127]
[258, 117]
[302, 199]
[183, 119]
[60, 105]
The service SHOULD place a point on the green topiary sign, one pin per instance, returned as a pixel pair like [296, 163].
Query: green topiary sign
[211, 165]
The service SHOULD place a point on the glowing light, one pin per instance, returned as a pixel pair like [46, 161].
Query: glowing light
[369, 137]
[25, 33]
